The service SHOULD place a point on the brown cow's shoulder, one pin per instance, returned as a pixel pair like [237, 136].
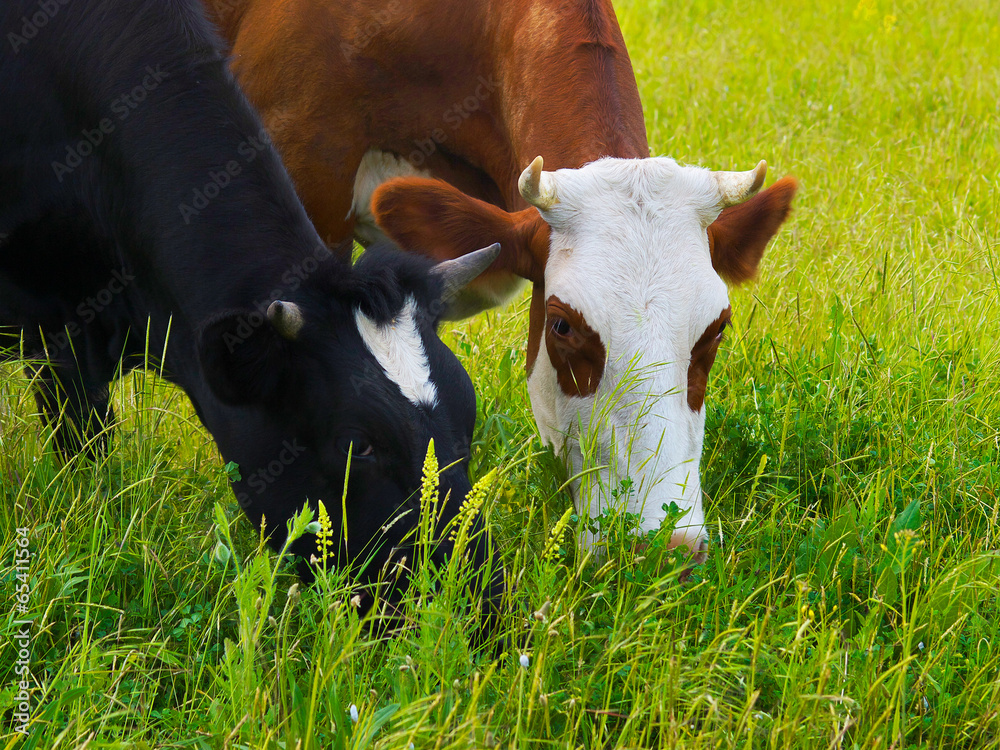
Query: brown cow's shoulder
[466, 90]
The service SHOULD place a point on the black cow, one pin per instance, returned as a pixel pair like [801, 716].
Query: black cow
[143, 209]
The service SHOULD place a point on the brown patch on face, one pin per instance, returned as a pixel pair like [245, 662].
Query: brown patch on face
[574, 348]
[703, 357]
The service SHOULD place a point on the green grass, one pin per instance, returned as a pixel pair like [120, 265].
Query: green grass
[851, 459]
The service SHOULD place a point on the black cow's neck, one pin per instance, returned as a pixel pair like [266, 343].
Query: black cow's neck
[186, 183]
[215, 213]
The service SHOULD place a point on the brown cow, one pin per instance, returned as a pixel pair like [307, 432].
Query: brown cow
[626, 255]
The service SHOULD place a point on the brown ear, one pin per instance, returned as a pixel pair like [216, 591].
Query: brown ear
[434, 218]
[738, 237]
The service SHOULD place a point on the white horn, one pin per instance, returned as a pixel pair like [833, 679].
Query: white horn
[537, 187]
[456, 273]
[736, 187]
[287, 319]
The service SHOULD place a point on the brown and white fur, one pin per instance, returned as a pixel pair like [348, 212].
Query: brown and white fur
[415, 120]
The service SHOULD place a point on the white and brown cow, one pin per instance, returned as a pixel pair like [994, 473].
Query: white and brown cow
[415, 119]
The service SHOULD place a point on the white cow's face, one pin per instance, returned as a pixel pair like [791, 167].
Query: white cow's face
[634, 313]
[627, 258]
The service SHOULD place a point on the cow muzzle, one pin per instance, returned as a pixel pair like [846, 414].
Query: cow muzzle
[695, 541]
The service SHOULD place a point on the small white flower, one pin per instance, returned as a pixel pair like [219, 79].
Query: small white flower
[525, 661]
[313, 528]
[354, 713]
[920, 645]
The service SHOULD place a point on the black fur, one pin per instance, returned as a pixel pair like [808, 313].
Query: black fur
[117, 114]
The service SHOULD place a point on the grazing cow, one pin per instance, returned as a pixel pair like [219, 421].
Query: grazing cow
[369, 99]
[143, 210]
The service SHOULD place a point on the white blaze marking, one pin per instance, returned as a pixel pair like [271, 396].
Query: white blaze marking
[398, 348]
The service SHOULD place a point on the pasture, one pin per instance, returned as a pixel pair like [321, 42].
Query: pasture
[852, 466]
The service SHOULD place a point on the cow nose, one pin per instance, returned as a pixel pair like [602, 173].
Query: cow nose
[702, 553]
[698, 556]
[696, 542]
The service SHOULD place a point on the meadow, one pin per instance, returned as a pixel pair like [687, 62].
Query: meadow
[852, 461]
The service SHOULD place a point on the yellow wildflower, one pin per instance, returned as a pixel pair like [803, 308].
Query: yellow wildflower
[555, 536]
[866, 9]
[324, 539]
[431, 474]
[470, 508]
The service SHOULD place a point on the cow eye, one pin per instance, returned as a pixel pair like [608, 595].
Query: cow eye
[362, 446]
[722, 329]
[560, 327]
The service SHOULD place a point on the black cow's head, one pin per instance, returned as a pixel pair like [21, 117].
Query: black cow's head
[349, 366]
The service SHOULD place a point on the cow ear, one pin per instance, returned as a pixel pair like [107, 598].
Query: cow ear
[438, 220]
[245, 360]
[738, 237]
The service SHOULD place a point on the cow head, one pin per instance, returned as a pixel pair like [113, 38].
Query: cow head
[629, 308]
[348, 367]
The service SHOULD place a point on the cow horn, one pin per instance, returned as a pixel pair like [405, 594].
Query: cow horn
[537, 187]
[287, 319]
[736, 187]
[455, 274]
